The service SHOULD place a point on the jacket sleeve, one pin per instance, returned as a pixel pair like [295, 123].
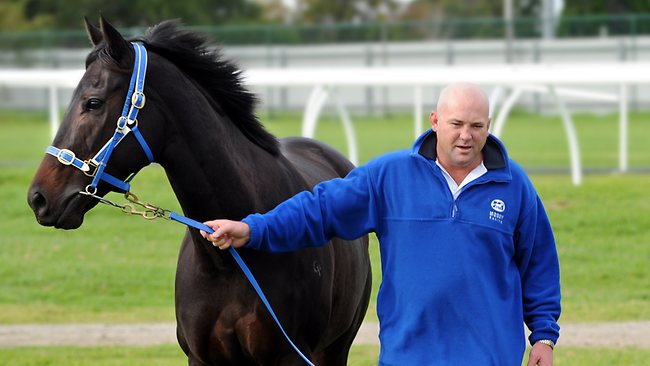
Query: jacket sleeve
[539, 269]
[343, 207]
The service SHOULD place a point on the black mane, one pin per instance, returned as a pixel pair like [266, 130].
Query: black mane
[220, 78]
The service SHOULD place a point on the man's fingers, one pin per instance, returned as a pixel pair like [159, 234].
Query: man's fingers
[226, 233]
[221, 242]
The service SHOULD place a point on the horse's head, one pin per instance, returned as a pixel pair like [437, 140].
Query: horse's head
[89, 123]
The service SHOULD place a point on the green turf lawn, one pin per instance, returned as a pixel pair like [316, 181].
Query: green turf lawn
[359, 356]
[121, 269]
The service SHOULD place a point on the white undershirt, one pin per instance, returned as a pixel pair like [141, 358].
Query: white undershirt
[457, 188]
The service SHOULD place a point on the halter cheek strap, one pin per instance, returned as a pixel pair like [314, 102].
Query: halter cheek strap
[127, 123]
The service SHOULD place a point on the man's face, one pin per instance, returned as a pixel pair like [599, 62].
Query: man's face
[462, 127]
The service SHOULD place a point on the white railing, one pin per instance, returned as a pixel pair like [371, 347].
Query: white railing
[509, 82]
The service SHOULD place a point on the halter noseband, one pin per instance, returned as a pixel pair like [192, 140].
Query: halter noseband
[127, 122]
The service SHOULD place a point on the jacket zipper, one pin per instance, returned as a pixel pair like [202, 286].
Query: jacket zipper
[454, 208]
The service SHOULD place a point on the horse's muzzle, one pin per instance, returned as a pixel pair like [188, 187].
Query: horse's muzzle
[64, 216]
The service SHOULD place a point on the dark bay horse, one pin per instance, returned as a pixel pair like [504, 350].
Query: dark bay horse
[200, 125]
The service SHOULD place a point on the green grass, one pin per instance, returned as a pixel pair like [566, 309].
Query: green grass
[112, 269]
[97, 356]
[121, 269]
[359, 356]
[540, 141]
[603, 241]
[534, 141]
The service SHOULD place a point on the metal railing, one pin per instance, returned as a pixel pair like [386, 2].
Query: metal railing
[452, 29]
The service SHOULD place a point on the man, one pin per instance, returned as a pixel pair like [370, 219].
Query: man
[467, 251]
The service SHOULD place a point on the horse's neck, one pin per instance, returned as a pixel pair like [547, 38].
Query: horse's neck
[215, 171]
[207, 183]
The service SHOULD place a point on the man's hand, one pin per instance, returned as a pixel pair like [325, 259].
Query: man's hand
[541, 355]
[227, 233]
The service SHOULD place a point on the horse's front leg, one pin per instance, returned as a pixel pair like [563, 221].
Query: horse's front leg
[293, 359]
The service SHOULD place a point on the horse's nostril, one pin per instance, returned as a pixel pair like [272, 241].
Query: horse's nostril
[38, 202]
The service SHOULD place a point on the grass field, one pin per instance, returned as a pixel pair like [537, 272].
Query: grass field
[121, 269]
[172, 355]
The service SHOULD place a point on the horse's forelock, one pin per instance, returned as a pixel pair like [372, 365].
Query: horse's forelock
[92, 56]
[101, 53]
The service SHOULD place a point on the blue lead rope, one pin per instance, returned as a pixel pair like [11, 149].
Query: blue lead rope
[201, 226]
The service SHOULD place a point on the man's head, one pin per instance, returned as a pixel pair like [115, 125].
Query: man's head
[461, 122]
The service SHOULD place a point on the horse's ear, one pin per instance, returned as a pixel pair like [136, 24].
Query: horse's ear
[118, 48]
[94, 33]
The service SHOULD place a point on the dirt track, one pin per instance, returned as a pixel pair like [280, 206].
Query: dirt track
[601, 335]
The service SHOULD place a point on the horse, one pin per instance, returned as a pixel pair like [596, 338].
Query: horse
[200, 125]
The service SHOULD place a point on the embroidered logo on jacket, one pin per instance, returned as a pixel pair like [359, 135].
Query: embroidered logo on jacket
[498, 207]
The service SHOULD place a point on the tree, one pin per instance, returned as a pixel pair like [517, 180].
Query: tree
[454, 9]
[473, 18]
[65, 14]
[13, 17]
[275, 11]
[336, 11]
[609, 20]
[607, 7]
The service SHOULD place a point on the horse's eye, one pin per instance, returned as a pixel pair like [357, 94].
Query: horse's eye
[93, 104]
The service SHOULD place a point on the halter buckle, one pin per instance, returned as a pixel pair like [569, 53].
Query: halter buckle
[138, 99]
[122, 123]
[92, 165]
[65, 153]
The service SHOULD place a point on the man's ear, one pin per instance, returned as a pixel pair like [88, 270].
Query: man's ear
[433, 121]
[118, 48]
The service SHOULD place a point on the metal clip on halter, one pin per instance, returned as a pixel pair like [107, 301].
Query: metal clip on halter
[150, 212]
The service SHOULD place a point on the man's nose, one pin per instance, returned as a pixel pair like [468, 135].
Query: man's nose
[466, 133]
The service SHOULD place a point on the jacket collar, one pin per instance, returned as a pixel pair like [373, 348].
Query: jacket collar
[494, 153]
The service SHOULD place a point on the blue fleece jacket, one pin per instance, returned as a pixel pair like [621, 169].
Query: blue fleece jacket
[460, 277]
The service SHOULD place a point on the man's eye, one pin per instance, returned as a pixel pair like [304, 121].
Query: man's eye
[93, 104]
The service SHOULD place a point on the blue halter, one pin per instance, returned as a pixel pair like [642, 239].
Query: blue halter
[127, 123]
[95, 166]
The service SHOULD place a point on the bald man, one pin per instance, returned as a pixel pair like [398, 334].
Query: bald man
[467, 251]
